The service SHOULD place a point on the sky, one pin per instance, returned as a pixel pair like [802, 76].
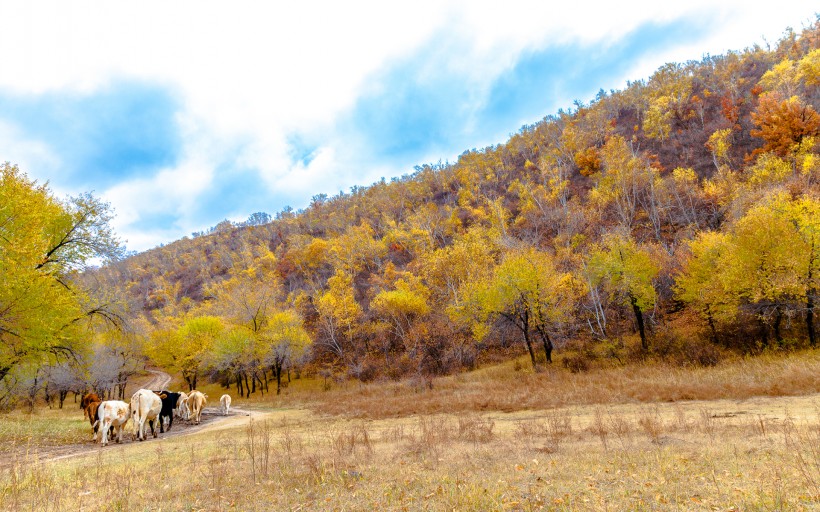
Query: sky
[182, 114]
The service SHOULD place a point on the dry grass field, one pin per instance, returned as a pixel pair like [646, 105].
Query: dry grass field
[741, 436]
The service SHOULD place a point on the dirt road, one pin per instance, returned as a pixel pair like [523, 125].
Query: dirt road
[160, 380]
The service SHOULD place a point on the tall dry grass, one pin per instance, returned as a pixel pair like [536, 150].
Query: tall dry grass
[512, 387]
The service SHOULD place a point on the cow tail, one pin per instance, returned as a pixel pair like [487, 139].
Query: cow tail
[137, 423]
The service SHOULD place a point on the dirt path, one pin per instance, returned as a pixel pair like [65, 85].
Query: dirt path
[159, 380]
[211, 419]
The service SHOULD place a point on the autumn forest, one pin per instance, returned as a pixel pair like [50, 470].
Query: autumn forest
[677, 219]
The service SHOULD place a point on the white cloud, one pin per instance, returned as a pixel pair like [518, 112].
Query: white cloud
[24, 152]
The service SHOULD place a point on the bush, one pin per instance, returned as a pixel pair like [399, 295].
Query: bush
[576, 363]
[676, 347]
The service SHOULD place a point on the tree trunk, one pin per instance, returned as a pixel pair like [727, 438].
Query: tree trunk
[711, 321]
[529, 346]
[239, 388]
[810, 319]
[247, 388]
[548, 346]
[261, 386]
[639, 320]
[47, 395]
[277, 372]
[810, 301]
[778, 318]
[764, 332]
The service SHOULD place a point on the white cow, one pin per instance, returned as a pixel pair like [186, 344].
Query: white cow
[182, 406]
[225, 403]
[145, 406]
[196, 402]
[113, 414]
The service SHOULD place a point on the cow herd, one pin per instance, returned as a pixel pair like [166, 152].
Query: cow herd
[108, 418]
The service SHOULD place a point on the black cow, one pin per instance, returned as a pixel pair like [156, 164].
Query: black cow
[169, 403]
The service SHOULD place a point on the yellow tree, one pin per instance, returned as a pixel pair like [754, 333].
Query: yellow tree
[625, 184]
[189, 348]
[719, 144]
[702, 280]
[448, 270]
[527, 290]
[628, 270]
[246, 300]
[235, 350]
[43, 243]
[356, 249]
[403, 307]
[804, 215]
[670, 89]
[773, 263]
[283, 342]
[248, 296]
[339, 313]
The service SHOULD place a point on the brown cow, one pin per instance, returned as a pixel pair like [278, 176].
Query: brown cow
[88, 399]
[90, 403]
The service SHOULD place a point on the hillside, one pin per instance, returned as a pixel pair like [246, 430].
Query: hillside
[676, 218]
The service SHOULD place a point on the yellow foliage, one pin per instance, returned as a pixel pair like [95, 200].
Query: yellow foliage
[769, 170]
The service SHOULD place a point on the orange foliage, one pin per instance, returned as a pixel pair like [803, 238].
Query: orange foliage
[783, 124]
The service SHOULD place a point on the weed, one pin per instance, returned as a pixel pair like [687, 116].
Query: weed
[652, 424]
[599, 427]
[475, 429]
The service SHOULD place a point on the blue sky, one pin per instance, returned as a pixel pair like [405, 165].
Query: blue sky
[183, 115]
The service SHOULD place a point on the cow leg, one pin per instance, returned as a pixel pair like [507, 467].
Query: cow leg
[161, 425]
[153, 432]
[170, 421]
